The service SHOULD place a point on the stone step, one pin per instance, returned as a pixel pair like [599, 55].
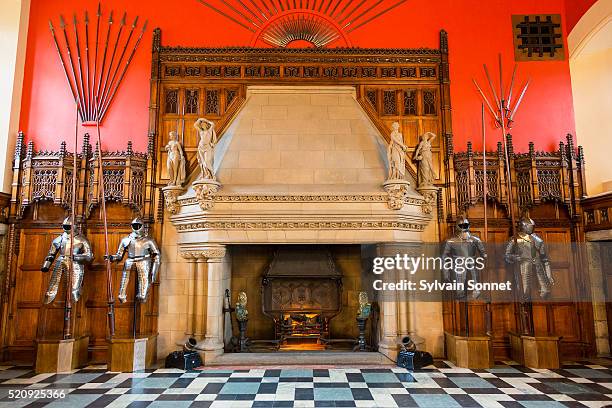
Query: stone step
[301, 358]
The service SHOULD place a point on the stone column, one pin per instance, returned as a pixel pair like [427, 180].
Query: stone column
[398, 315]
[217, 264]
[388, 344]
[201, 292]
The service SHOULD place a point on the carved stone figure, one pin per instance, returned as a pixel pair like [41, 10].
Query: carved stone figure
[206, 147]
[365, 307]
[242, 314]
[396, 154]
[144, 255]
[462, 245]
[528, 250]
[422, 155]
[62, 248]
[176, 161]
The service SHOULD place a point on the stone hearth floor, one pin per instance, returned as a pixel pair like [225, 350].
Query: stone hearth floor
[577, 384]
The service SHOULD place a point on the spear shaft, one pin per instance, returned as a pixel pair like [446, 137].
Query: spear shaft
[109, 272]
[114, 76]
[127, 64]
[69, 51]
[374, 17]
[74, 96]
[87, 73]
[69, 278]
[497, 100]
[112, 59]
[110, 25]
[80, 65]
[95, 70]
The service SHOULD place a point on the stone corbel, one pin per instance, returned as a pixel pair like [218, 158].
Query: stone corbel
[171, 194]
[205, 190]
[430, 194]
[397, 191]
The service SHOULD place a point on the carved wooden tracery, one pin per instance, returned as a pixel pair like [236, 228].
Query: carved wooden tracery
[41, 196]
[410, 86]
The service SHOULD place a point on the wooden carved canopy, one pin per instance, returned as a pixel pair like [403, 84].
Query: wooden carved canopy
[410, 86]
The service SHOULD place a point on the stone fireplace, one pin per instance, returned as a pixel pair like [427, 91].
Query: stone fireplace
[297, 166]
[301, 293]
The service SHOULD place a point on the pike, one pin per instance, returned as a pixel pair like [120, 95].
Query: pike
[251, 12]
[374, 17]
[497, 100]
[239, 13]
[87, 74]
[110, 25]
[127, 64]
[68, 303]
[486, 101]
[510, 89]
[125, 47]
[502, 98]
[352, 11]
[93, 86]
[106, 86]
[109, 271]
[363, 13]
[518, 102]
[485, 194]
[76, 84]
[74, 96]
[80, 65]
[342, 11]
[226, 15]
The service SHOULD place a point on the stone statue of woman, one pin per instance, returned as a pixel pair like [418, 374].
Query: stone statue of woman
[176, 161]
[206, 147]
[396, 154]
[423, 155]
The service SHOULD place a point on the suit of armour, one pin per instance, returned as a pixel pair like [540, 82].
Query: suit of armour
[82, 254]
[144, 256]
[466, 246]
[529, 251]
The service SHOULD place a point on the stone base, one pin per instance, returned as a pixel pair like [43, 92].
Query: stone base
[469, 352]
[535, 351]
[61, 356]
[128, 355]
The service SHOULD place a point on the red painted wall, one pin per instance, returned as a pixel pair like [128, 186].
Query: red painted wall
[477, 33]
[574, 10]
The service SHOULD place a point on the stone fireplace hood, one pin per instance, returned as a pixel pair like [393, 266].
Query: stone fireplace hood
[300, 165]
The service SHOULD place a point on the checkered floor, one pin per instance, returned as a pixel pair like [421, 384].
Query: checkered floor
[576, 385]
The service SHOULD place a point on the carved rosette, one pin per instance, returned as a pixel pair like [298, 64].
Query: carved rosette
[171, 194]
[397, 191]
[430, 193]
[205, 190]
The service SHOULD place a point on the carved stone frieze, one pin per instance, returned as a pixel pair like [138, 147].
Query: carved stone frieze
[205, 192]
[293, 225]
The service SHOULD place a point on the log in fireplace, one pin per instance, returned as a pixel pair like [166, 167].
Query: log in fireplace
[301, 293]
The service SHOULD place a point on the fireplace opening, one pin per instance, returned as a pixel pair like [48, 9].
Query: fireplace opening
[301, 297]
[301, 293]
